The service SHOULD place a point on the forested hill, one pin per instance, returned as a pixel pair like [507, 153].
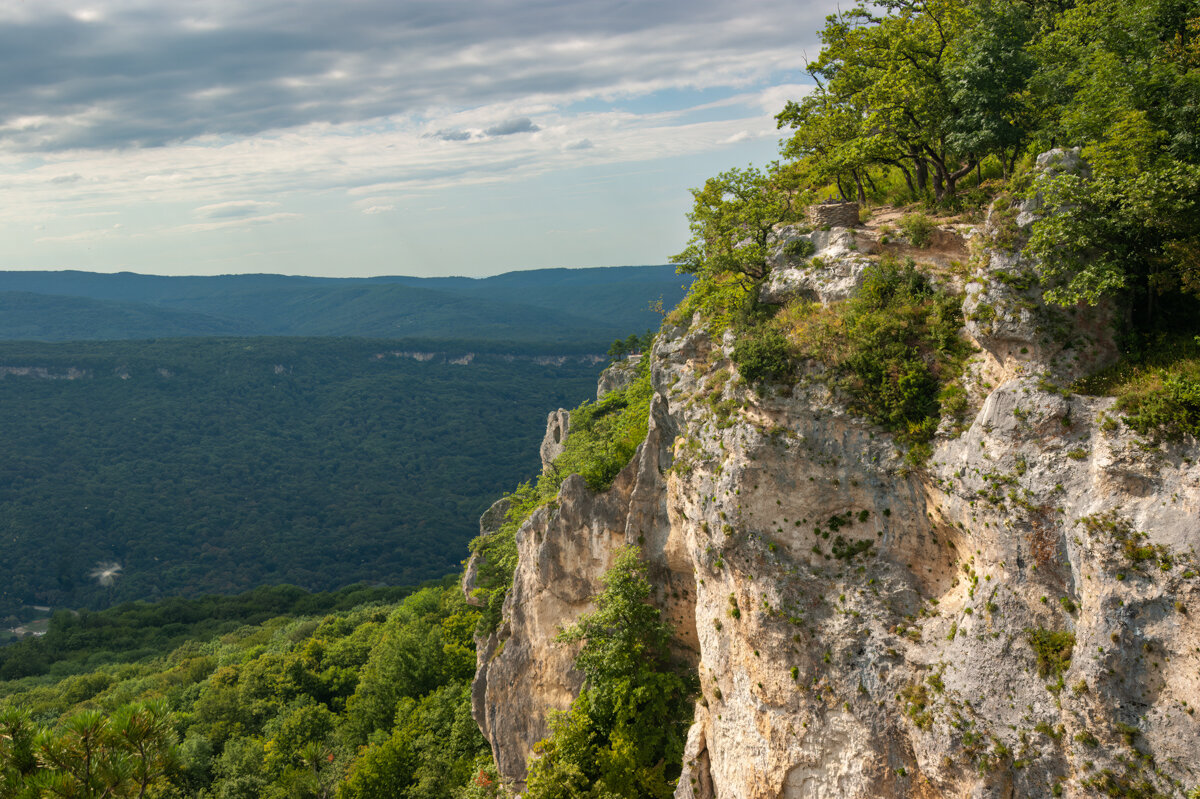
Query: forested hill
[546, 306]
[204, 465]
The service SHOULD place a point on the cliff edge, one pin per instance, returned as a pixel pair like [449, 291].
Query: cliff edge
[1016, 615]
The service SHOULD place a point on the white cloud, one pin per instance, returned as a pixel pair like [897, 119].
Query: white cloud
[234, 209]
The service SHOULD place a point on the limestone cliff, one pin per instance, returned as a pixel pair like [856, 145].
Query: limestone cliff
[1018, 617]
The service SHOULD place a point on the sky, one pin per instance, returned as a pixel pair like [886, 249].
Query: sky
[379, 137]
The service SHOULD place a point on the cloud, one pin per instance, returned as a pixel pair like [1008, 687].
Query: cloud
[451, 135]
[234, 209]
[378, 209]
[74, 177]
[511, 126]
[145, 74]
[226, 224]
[582, 144]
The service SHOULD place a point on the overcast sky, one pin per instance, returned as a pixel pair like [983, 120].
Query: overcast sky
[370, 137]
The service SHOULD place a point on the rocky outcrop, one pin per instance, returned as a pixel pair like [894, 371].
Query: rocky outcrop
[617, 376]
[1004, 315]
[1019, 617]
[489, 523]
[824, 265]
[558, 427]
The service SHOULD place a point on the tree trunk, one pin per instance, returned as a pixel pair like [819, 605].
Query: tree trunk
[841, 190]
[908, 180]
[922, 167]
[870, 182]
[862, 195]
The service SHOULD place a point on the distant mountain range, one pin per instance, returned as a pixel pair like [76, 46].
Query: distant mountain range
[547, 306]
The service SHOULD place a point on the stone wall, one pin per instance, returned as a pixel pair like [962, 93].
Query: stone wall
[833, 214]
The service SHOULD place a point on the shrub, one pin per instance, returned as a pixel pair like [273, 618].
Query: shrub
[893, 347]
[1166, 403]
[763, 355]
[917, 228]
[1053, 649]
[799, 248]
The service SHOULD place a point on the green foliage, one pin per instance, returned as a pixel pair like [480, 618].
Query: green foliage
[1053, 649]
[604, 435]
[722, 300]
[1157, 389]
[81, 641]
[731, 222]
[220, 465]
[763, 356]
[624, 735]
[372, 701]
[1138, 233]
[799, 248]
[893, 347]
[1166, 404]
[917, 228]
[88, 754]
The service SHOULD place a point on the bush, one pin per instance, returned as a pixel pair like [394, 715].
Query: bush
[1157, 387]
[1053, 649]
[893, 347]
[1166, 404]
[763, 356]
[799, 248]
[917, 228]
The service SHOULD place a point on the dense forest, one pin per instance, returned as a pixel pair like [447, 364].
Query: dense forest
[202, 465]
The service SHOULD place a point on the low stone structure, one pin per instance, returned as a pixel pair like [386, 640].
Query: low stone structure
[833, 214]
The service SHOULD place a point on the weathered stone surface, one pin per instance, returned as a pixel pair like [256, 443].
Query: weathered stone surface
[832, 272]
[618, 376]
[489, 523]
[1004, 314]
[558, 427]
[906, 670]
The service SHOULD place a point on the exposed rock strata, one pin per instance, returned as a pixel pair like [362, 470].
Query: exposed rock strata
[907, 670]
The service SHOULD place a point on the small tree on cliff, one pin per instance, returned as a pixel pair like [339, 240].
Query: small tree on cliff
[624, 735]
[731, 222]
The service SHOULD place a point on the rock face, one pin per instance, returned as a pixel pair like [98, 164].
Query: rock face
[824, 265]
[1019, 617]
[558, 427]
[617, 376]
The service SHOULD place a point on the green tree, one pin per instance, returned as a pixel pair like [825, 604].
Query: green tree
[731, 220]
[1119, 79]
[624, 735]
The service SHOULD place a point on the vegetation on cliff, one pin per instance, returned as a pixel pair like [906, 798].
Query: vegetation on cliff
[945, 104]
[941, 103]
[624, 734]
[604, 436]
